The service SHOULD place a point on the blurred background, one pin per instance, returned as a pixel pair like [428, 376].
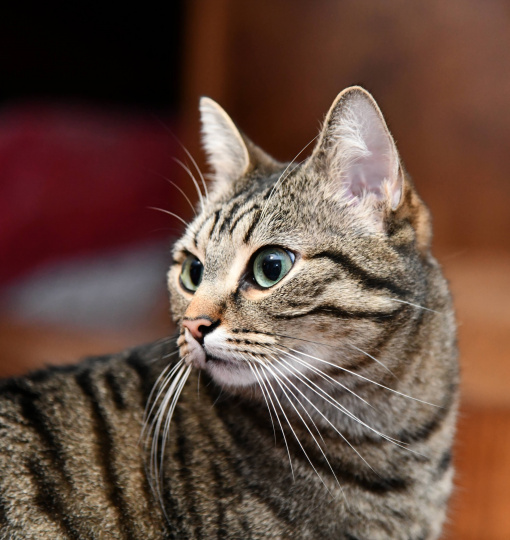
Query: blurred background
[94, 106]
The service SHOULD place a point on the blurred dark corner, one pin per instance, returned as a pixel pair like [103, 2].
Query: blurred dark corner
[88, 98]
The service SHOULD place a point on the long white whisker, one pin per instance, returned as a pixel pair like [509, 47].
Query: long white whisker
[296, 398]
[169, 213]
[320, 412]
[169, 416]
[264, 381]
[164, 414]
[173, 353]
[415, 305]
[159, 358]
[324, 376]
[265, 399]
[176, 186]
[192, 159]
[156, 472]
[193, 179]
[326, 397]
[152, 476]
[183, 194]
[334, 346]
[364, 378]
[280, 384]
[373, 358]
[159, 416]
[178, 141]
[282, 177]
[151, 404]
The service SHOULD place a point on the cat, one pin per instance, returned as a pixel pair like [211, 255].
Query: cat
[311, 391]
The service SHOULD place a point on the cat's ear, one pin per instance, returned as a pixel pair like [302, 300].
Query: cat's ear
[224, 145]
[358, 152]
[230, 153]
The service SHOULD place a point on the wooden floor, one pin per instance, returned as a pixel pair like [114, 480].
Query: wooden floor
[480, 507]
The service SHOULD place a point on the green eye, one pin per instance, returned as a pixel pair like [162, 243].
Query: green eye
[191, 273]
[271, 265]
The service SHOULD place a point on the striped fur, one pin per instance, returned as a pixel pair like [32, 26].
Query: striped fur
[326, 403]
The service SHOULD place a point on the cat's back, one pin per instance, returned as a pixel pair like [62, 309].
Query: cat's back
[73, 466]
[70, 459]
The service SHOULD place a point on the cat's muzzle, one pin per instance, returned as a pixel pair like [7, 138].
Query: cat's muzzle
[195, 355]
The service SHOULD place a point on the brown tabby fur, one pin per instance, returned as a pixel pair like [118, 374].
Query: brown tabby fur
[364, 310]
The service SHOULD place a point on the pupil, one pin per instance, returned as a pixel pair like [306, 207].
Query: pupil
[195, 272]
[272, 267]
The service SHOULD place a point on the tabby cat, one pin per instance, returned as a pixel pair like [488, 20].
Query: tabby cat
[312, 389]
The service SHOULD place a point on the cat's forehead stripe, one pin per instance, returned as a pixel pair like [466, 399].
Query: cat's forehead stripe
[241, 215]
[228, 216]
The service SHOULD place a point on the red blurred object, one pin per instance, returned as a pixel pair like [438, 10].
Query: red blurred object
[75, 179]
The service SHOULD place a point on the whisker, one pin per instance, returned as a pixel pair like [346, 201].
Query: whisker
[169, 213]
[178, 376]
[193, 179]
[364, 378]
[282, 177]
[325, 376]
[201, 176]
[218, 398]
[265, 399]
[264, 381]
[159, 358]
[415, 305]
[333, 346]
[280, 384]
[163, 375]
[374, 359]
[164, 357]
[324, 416]
[158, 418]
[169, 416]
[296, 398]
[176, 186]
[326, 397]
[160, 387]
[187, 152]
[311, 419]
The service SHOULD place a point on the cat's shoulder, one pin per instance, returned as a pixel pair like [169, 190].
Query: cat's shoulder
[116, 370]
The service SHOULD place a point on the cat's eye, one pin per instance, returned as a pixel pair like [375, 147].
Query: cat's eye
[191, 273]
[271, 265]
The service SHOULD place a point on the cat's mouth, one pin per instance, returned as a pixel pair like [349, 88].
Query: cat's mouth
[199, 357]
[226, 370]
[216, 359]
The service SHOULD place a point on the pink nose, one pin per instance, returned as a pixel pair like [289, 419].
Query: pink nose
[197, 327]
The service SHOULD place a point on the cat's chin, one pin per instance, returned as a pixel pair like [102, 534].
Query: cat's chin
[227, 372]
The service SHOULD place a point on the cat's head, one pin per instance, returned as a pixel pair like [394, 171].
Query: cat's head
[290, 265]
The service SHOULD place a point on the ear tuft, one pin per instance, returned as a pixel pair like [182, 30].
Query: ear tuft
[223, 143]
[361, 156]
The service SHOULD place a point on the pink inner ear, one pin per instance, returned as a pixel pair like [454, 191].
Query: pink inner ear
[364, 176]
[367, 155]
